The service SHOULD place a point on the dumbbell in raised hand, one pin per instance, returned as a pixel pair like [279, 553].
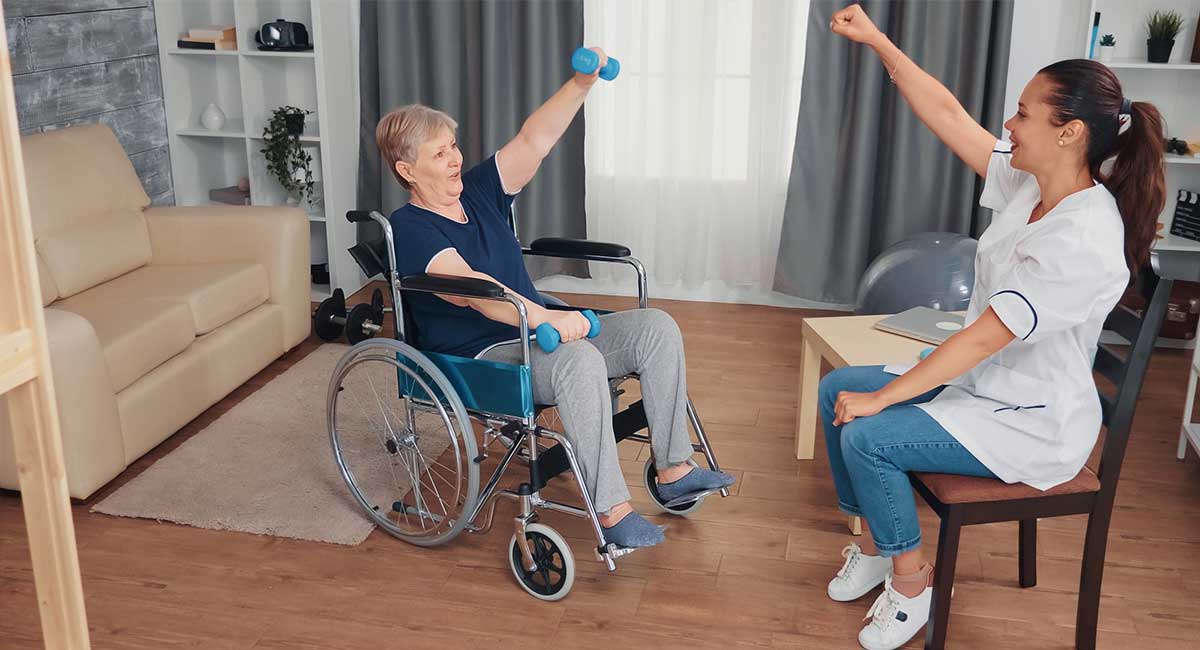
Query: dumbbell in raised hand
[548, 337]
[585, 61]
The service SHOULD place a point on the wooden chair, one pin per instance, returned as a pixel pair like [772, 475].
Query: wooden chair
[963, 500]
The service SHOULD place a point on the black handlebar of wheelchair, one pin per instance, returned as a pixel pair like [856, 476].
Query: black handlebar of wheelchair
[564, 247]
[358, 216]
[452, 285]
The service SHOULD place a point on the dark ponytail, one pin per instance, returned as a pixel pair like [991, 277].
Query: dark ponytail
[1088, 91]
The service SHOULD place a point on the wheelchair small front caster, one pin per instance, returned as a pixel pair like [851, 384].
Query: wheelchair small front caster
[650, 478]
[554, 574]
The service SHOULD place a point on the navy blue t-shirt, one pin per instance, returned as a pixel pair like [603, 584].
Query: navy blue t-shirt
[486, 243]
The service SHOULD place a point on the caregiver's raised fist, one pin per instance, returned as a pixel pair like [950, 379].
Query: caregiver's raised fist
[853, 23]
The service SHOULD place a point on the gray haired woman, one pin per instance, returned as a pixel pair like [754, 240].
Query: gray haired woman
[456, 223]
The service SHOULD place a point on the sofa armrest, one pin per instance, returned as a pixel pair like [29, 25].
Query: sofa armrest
[92, 442]
[276, 237]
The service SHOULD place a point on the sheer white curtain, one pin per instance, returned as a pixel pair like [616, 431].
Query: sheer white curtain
[688, 152]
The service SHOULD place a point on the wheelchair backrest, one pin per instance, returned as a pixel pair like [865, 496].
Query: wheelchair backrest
[371, 254]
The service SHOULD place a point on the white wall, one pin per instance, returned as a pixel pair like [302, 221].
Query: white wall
[1043, 32]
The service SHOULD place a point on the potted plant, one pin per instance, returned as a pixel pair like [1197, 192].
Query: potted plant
[287, 161]
[1108, 43]
[1162, 27]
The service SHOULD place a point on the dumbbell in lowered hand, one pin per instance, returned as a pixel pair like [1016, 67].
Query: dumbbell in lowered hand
[548, 338]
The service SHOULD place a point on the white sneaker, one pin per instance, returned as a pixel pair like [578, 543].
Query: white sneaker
[859, 574]
[895, 618]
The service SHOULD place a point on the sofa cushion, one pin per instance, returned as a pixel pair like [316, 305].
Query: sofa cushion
[214, 294]
[136, 335]
[96, 251]
[76, 175]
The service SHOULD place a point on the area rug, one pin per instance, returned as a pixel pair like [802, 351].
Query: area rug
[266, 467]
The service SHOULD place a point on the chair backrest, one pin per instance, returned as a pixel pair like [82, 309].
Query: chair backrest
[1127, 373]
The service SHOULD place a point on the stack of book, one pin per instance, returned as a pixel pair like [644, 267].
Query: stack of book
[1187, 215]
[232, 195]
[214, 37]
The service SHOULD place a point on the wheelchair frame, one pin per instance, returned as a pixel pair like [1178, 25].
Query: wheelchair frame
[523, 433]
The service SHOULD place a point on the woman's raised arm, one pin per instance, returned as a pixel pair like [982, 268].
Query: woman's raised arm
[519, 160]
[929, 99]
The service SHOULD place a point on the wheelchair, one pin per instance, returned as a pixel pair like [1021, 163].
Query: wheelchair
[401, 423]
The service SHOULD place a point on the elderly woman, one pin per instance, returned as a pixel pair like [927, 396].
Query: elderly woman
[456, 223]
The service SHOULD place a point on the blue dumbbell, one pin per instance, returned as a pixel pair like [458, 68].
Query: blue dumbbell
[585, 61]
[548, 338]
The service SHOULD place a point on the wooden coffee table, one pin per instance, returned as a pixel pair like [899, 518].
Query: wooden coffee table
[842, 341]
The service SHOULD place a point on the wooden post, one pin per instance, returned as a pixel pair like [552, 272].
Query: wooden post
[25, 381]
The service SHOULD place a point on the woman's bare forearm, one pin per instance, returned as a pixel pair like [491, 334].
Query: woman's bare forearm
[501, 311]
[950, 360]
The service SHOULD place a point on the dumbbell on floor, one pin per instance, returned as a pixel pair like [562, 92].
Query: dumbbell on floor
[361, 323]
[585, 61]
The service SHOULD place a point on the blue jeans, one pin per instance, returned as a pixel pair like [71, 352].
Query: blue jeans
[871, 457]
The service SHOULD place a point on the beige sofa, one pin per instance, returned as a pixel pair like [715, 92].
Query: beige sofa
[152, 314]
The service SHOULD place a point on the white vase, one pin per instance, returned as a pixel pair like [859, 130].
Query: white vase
[1106, 53]
[212, 117]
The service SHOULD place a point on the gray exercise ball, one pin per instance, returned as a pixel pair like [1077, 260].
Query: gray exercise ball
[933, 269]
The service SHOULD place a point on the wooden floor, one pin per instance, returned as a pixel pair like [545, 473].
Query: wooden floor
[749, 570]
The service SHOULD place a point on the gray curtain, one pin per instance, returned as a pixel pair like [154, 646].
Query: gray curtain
[866, 172]
[488, 64]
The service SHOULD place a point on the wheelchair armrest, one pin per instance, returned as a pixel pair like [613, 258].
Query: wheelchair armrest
[454, 285]
[581, 248]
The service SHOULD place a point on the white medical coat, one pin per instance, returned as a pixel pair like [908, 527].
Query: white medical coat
[1030, 412]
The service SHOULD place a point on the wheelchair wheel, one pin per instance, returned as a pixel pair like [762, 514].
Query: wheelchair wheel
[555, 572]
[649, 477]
[407, 462]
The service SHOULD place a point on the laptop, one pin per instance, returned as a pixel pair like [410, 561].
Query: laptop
[923, 324]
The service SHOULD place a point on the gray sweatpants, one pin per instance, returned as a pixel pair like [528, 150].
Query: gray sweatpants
[575, 377]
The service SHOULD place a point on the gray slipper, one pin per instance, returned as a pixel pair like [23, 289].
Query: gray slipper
[698, 482]
[633, 531]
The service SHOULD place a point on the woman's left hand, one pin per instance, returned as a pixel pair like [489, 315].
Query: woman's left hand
[856, 405]
[588, 80]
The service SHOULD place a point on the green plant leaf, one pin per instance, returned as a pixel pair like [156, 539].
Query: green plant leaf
[1164, 25]
[285, 154]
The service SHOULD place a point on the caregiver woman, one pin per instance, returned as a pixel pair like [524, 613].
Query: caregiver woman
[1011, 396]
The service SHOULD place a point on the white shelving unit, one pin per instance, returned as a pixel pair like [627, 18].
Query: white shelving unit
[1174, 87]
[248, 84]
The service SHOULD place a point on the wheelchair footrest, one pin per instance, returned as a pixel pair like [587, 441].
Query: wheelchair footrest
[613, 551]
[690, 497]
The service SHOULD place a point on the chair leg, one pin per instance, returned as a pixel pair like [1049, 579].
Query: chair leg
[943, 580]
[1028, 552]
[1092, 572]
